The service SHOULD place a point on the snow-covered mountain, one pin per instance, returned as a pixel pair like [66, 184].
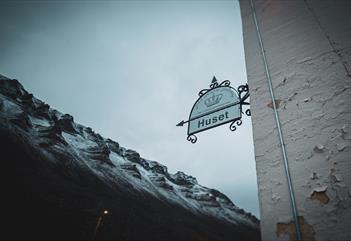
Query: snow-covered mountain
[59, 175]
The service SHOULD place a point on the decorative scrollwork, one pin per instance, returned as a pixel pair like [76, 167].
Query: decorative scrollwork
[192, 138]
[214, 85]
[248, 112]
[225, 83]
[243, 88]
[232, 126]
[204, 91]
[241, 93]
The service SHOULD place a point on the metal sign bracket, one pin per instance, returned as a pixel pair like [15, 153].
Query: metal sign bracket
[216, 106]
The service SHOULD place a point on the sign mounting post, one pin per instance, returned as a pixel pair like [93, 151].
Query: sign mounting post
[218, 105]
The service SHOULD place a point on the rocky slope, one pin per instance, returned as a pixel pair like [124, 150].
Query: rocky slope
[58, 176]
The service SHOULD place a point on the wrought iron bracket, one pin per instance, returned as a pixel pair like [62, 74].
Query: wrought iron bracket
[243, 94]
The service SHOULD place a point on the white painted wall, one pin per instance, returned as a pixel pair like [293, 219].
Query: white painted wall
[308, 48]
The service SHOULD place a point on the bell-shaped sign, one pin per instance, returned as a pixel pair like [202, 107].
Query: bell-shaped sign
[216, 106]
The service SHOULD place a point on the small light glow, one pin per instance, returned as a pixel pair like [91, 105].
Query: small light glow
[105, 212]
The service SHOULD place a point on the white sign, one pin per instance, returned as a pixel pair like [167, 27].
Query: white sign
[218, 106]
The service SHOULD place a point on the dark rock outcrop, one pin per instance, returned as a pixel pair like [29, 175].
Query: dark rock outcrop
[132, 156]
[58, 176]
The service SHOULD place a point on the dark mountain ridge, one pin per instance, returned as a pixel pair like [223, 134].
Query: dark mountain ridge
[58, 177]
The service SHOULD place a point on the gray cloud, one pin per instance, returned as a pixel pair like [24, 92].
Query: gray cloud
[132, 70]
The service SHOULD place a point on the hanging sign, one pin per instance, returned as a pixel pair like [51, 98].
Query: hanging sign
[216, 106]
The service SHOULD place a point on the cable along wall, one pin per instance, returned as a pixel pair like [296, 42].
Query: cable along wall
[307, 55]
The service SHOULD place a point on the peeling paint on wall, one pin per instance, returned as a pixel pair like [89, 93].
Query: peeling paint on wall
[289, 229]
[278, 103]
[342, 191]
[319, 148]
[320, 195]
[308, 46]
[314, 176]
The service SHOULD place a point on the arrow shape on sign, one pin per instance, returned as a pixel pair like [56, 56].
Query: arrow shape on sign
[182, 123]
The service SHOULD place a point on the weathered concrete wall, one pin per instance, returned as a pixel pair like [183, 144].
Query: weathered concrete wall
[308, 48]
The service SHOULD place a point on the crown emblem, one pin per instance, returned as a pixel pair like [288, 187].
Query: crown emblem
[214, 99]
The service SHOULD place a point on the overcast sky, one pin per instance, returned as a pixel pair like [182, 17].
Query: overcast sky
[131, 70]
